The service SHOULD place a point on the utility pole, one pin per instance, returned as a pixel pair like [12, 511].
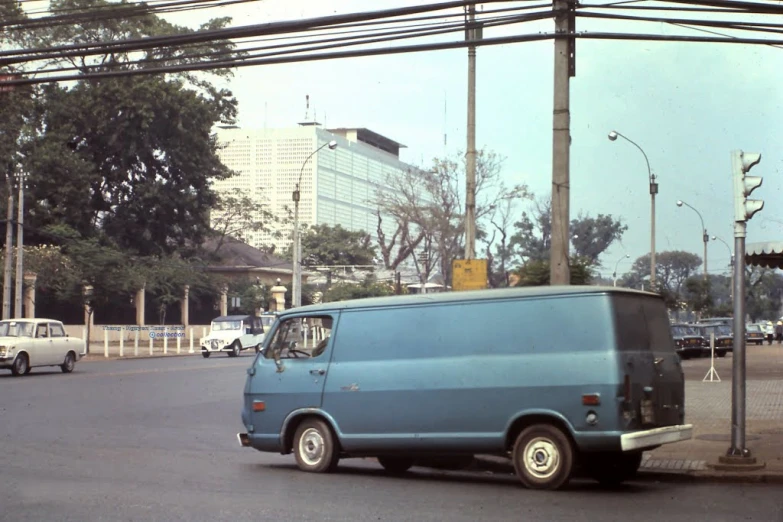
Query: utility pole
[9, 254]
[561, 140]
[19, 252]
[472, 34]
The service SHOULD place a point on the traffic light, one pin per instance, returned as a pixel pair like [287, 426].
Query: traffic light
[741, 163]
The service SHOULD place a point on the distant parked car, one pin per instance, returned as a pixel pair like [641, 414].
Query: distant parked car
[29, 343]
[688, 342]
[724, 340]
[754, 333]
[232, 334]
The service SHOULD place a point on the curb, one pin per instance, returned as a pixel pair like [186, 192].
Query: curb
[495, 465]
[94, 357]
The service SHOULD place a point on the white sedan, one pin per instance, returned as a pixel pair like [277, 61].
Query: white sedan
[29, 343]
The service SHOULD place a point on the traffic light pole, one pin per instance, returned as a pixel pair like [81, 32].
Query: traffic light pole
[738, 448]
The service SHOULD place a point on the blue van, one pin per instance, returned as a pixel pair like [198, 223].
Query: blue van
[554, 377]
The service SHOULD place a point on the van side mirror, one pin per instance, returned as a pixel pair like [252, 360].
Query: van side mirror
[279, 364]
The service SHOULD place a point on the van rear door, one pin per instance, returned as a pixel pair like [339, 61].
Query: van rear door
[653, 384]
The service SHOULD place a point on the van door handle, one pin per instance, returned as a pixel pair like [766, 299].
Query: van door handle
[319, 371]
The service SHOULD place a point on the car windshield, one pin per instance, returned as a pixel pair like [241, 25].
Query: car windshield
[754, 328]
[218, 326]
[682, 330]
[724, 330]
[16, 329]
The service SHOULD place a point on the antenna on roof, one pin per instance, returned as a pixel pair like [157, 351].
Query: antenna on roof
[307, 107]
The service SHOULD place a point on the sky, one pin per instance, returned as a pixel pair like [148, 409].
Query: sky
[686, 105]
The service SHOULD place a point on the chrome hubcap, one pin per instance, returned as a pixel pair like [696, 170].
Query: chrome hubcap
[542, 459]
[311, 447]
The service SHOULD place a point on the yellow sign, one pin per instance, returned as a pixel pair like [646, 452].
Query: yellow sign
[469, 274]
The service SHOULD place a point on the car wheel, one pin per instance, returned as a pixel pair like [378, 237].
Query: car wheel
[396, 465]
[69, 363]
[205, 355]
[613, 469]
[21, 365]
[543, 457]
[235, 349]
[314, 447]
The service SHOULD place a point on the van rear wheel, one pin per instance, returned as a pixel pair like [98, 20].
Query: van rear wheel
[396, 465]
[613, 468]
[543, 457]
[315, 447]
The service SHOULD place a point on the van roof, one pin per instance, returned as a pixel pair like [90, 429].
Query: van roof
[472, 295]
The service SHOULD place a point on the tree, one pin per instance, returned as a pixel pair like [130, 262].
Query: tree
[591, 237]
[536, 272]
[334, 245]
[128, 158]
[370, 287]
[672, 269]
[698, 294]
[501, 219]
[236, 215]
[428, 210]
[764, 288]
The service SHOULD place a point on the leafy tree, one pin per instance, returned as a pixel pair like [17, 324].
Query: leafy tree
[764, 288]
[236, 215]
[698, 294]
[536, 272]
[334, 245]
[252, 295]
[500, 220]
[591, 237]
[672, 269]
[367, 288]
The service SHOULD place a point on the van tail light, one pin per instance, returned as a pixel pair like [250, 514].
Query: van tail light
[591, 399]
[627, 387]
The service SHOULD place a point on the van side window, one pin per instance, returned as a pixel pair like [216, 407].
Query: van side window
[301, 338]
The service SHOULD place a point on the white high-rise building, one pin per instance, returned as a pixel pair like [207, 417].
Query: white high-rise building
[338, 187]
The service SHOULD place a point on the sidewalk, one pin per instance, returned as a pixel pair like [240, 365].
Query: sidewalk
[708, 408]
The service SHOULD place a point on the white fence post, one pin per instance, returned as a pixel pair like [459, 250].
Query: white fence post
[165, 342]
[105, 342]
[152, 339]
[179, 342]
[191, 339]
[136, 343]
[122, 342]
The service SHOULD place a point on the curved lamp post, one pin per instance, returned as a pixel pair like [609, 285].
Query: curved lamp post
[731, 264]
[296, 281]
[653, 191]
[614, 274]
[705, 236]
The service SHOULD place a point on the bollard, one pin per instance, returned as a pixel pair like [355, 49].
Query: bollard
[191, 339]
[165, 342]
[136, 343]
[122, 343]
[179, 342]
[105, 343]
[152, 338]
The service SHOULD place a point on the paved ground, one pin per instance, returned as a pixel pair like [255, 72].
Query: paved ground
[154, 439]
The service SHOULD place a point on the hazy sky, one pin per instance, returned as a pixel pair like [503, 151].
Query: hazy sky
[686, 105]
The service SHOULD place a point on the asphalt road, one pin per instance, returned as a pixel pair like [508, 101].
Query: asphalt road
[155, 440]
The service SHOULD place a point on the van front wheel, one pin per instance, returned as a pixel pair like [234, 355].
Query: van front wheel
[543, 457]
[314, 447]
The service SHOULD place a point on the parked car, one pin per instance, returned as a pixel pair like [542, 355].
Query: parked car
[769, 331]
[754, 333]
[724, 338]
[31, 343]
[233, 334]
[688, 342]
[554, 376]
[267, 320]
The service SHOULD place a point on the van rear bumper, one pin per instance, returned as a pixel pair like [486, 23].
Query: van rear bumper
[649, 438]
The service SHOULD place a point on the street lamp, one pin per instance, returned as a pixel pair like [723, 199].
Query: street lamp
[731, 264]
[296, 280]
[653, 191]
[705, 236]
[614, 274]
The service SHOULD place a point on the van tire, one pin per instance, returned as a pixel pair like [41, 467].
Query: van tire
[315, 447]
[551, 448]
[613, 469]
[396, 465]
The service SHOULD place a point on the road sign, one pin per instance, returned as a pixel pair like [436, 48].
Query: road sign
[469, 274]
